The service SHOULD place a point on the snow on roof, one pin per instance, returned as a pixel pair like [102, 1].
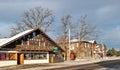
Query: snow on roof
[6, 40]
[91, 41]
[76, 40]
[1, 40]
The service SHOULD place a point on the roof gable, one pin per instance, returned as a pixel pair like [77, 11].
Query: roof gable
[6, 41]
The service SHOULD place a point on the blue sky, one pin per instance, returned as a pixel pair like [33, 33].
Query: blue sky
[105, 14]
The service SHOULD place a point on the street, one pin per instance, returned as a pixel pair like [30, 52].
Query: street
[101, 64]
[105, 65]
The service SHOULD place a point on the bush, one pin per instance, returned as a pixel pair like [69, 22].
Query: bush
[113, 52]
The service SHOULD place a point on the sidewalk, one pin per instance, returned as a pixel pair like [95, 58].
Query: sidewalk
[56, 65]
[72, 63]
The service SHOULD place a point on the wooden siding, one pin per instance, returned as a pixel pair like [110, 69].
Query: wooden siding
[35, 40]
[26, 47]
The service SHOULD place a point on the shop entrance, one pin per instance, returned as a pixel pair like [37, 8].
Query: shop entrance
[20, 58]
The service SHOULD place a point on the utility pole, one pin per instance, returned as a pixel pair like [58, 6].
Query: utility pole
[68, 54]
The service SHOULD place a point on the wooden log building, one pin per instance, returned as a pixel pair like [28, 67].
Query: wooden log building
[28, 47]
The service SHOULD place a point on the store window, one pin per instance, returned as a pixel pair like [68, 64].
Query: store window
[32, 56]
[2, 56]
[12, 56]
[27, 56]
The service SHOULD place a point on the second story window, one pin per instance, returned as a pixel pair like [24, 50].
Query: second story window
[24, 40]
[34, 34]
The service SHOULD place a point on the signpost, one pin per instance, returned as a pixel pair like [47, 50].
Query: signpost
[55, 49]
[71, 47]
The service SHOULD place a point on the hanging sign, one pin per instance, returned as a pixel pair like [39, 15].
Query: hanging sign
[55, 49]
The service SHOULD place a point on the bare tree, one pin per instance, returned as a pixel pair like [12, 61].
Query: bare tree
[85, 31]
[36, 17]
[63, 32]
[80, 30]
[66, 22]
[63, 29]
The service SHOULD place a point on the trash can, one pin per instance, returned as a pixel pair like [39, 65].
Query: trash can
[52, 60]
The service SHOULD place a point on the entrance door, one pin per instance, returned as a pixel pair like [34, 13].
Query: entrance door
[20, 58]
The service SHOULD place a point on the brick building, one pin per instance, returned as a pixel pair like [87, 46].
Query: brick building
[84, 48]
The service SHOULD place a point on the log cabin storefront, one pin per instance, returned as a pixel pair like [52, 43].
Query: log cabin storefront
[29, 47]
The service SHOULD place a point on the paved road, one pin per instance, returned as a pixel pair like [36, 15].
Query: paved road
[73, 65]
[104, 65]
